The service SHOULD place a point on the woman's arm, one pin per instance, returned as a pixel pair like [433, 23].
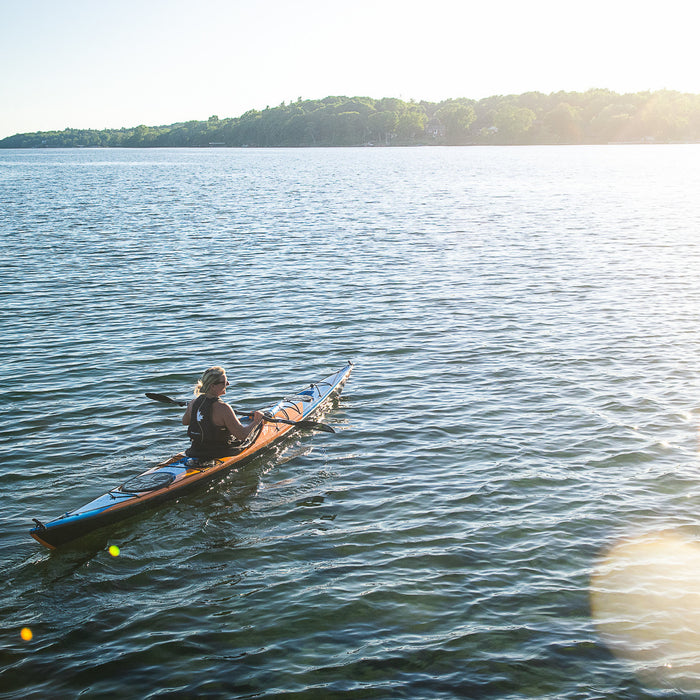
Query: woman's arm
[226, 416]
[188, 414]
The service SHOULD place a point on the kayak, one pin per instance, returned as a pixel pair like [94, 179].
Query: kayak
[181, 474]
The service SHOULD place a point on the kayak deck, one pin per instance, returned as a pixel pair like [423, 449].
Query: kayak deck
[180, 473]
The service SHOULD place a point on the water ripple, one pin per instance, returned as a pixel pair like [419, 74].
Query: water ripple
[520, 427]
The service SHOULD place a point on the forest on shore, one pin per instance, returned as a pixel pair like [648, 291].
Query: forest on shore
[592, 117]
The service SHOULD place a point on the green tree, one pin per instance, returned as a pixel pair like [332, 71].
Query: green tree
[513, 122]
[411, 123]
[382, 126]
[664, 116]
[348, 129]
[611, 124]
[457, 120]
[564, 122]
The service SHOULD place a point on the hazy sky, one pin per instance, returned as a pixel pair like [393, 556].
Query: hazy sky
[114, 63]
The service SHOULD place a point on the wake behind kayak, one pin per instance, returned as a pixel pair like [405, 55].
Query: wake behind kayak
[180, 474]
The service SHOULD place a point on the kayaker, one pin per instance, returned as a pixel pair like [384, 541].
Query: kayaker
[213, 427]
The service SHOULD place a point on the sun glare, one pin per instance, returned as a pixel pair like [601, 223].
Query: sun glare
[645, 600]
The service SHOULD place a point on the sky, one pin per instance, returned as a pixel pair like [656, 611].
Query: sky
[120, 63]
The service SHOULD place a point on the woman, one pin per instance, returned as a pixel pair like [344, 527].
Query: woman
[212, 424]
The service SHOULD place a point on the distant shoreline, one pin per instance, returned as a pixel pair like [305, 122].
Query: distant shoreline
[595, 117]
[292, 148]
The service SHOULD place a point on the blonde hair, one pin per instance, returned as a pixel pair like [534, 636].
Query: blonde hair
[209, 378]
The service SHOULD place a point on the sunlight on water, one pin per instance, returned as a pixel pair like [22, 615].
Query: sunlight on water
[524, 327]
[645, 599]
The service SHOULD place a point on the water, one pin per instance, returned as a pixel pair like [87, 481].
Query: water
[508, 508]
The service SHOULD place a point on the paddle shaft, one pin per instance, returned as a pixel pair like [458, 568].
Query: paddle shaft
[271, 419]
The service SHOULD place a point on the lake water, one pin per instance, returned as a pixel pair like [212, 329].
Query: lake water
[509, 508]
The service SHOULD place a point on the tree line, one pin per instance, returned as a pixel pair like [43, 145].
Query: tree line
[595, 116]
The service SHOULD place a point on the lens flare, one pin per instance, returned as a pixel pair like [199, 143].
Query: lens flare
[26, 634]
[114, 550]
[645, 600]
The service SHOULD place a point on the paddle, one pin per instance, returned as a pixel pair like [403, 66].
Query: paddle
[271, 419]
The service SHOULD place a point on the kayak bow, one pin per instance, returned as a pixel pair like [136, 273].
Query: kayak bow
[180, 473]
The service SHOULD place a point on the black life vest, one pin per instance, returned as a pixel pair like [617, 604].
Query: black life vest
[208, 439]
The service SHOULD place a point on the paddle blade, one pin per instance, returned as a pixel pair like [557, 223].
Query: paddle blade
[315, 425]
[165, 399]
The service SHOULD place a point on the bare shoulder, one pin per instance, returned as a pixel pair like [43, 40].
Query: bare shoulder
[223, 406]
[221, 412]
